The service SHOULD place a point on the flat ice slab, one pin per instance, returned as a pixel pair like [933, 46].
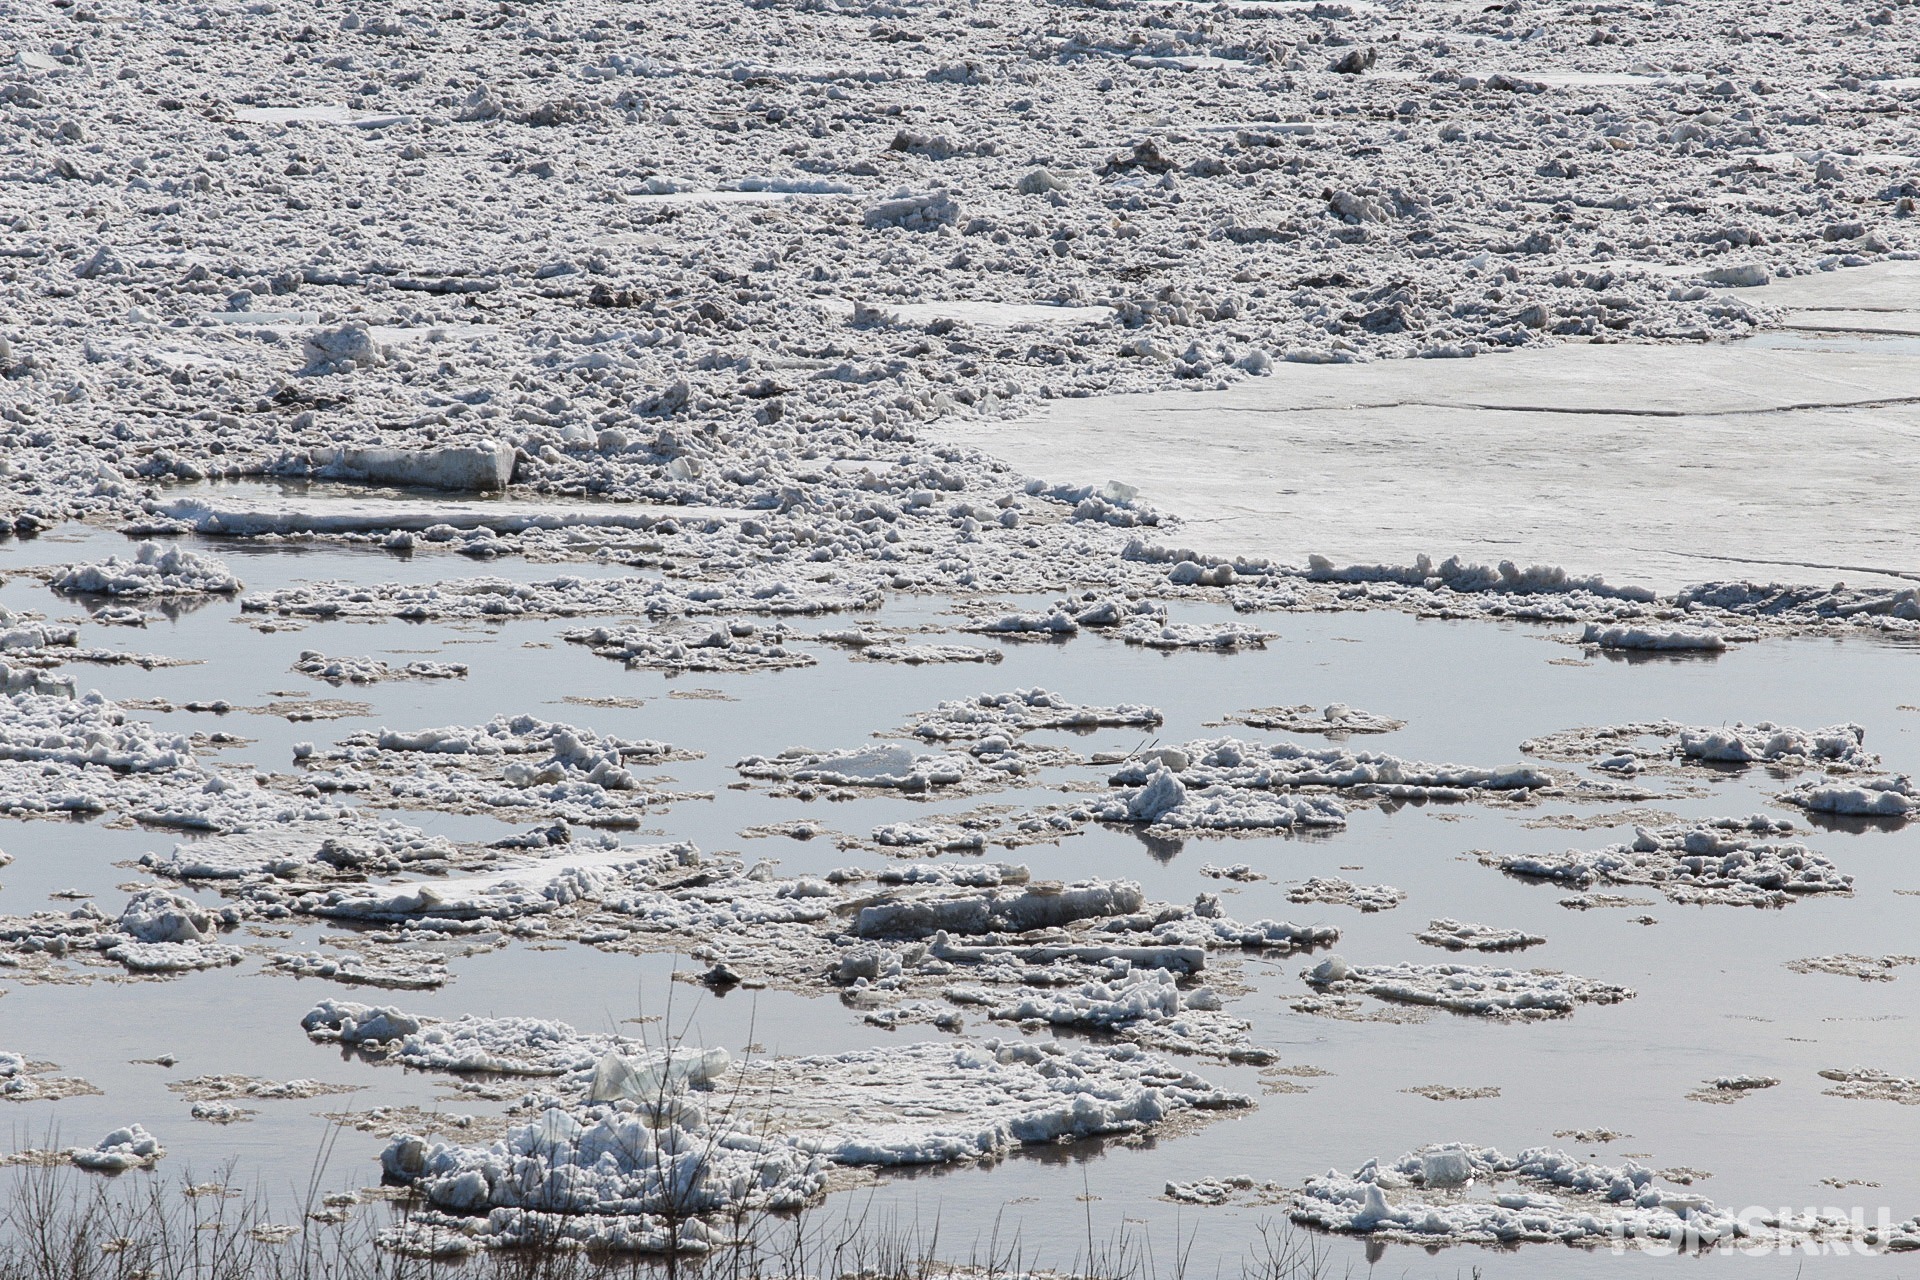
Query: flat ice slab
[1659, 466]
[250, 516]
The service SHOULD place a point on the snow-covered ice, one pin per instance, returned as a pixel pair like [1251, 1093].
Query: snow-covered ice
[1468, 989]
[1556, 1198]
[1455, 936]
[1733, 861]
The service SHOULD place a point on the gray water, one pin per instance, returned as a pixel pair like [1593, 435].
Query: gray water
[1713, 997]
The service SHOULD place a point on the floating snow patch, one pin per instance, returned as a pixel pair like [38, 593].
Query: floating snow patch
[1162, 799]
[393, 968]
[1725, 1089]
[1335, 720]
[1222, 636]
[616, 1173]
[123, 1149]
[304, 851]
[509, 893]
[516, 764]
[933, 838]
[88, 730]
[1205, 926]
[1055, 623]
[1728, 861]
[1888, 797]
[1868, 1084]
[1865, 968]
[735, 646]
[153, 571]
[1623, 749]
[1556, 1199]
[1152, 995]
[1653, 639]
[1345, 893]
[337, 671]
[508, 1046]
[923, 654]
[1485, 992]
[1232, 772]
[24, 1081]
[1037, 907]
[1023, 711]
[895, 767]
[1148, 1007]
[1455, 936]
[1837, 748]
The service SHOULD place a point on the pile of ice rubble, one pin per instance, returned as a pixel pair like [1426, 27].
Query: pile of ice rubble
[1460, 1194]
[1732, 861]
[123, 1149]
[661, 1150]
[153, 571]
[155, 933]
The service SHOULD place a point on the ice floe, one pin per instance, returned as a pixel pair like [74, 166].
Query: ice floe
[1850, 965]
[123, 1149]
[1722, 1090]
[1870, 1084]
[1631, 748]
[881, 766]
[736, 646]
[1654, 639]
[1731, 861]
[1227, 784]
[670, 1163]
[1468, 989]
[1421, 1199]
[1023, 711]
[1335, 891]
[22, 1080]
[1336, 719]
[1455, 936]
[514, 765]
[1892, 797]
[337, 671]
[153, 571]
[1240, 765]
